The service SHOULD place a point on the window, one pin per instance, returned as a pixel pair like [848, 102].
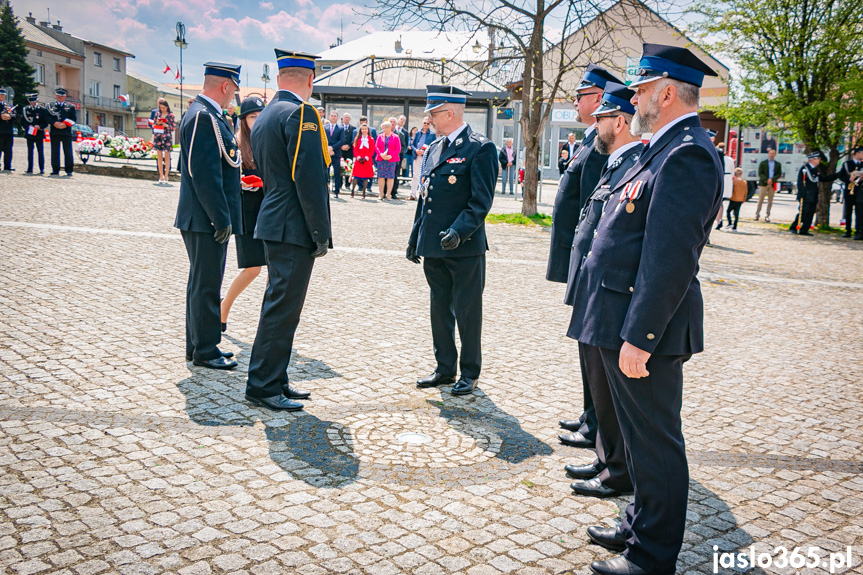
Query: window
[97, 59]
[57, 78]
[95, 88]
[116, 64]
[116, 92]
[100, 120]
[39, 74]
[118, 123]
[38, 52]
[68, 60]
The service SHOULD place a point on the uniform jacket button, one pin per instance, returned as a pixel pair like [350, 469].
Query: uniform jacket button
[631, 289]
[316, 233]
[431, 187]
[429, 211]
[588, 253]
[429, 199]
[650, 336]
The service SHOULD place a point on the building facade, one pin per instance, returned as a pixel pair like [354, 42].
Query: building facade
[94, 74]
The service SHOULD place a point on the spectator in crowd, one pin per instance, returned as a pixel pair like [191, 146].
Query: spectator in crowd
[231, 116]
[571, 145]
[163, 123]
[188, 103]
[727, 181]
[365, 120]
[409, 156]
[323, 114]
[738, 196]
[506, 158]
[387, 150]
[563, 160]
[348, 147]
[401, 132]
[769, 173]
[423, 138]
[250, 252]
[335, 139]
[364, 153]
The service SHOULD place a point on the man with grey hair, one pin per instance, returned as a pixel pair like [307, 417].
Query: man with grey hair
[638, 301]
[506, 158]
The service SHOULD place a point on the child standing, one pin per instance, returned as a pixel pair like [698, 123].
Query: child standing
[738, 196]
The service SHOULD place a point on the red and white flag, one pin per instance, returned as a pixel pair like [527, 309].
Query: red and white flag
[167, 68]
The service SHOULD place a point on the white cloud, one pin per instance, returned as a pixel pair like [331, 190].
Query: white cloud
[266, 5]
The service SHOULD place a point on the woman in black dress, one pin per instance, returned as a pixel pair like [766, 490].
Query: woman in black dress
[250, 252]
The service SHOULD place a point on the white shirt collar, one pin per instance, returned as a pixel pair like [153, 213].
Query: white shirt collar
[212, 101]
[589, 129]
[454, 134]
[619, 151]
[671, 124]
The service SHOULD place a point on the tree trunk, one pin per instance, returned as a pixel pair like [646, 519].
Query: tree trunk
[825, 190]
[531, 118]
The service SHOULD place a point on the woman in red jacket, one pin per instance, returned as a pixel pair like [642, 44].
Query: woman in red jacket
[364, 153]
[387, 158]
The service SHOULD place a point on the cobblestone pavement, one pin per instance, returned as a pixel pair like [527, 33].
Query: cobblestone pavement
[119, 457]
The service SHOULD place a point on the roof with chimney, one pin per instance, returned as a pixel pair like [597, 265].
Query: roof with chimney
[34, 34]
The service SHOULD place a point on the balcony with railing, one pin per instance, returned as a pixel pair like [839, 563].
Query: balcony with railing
[104, 103]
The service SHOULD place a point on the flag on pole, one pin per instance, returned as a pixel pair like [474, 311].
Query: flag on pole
[167, 68]
[177, 75]
[125, 99]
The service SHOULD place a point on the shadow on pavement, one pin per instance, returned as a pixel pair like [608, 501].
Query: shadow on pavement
[478, 411]
[310, 449]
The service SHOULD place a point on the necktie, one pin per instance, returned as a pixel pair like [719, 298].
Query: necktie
[444, 146]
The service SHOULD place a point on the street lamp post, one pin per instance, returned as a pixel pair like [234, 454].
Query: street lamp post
[266, 78]
[180, 43]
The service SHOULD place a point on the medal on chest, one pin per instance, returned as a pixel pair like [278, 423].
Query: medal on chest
[631, 191]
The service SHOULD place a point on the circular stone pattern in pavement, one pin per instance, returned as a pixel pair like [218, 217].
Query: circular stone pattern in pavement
[374, 438]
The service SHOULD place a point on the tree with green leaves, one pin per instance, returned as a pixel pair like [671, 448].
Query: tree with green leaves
[801, 64]
[15, 72]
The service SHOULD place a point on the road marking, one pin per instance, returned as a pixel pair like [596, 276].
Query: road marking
[704, 275]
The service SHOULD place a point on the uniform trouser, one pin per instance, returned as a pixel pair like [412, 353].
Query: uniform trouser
[38, 143]
[290, 268]
[648, 410]
[852, 204]
[587, 419]
[456, 299]
[507, 175]
[56, 141]
[6, 150]
[610, 449]
[337, 173]
[415, 179]
[806, 215]
[203, 312]
[768, 191]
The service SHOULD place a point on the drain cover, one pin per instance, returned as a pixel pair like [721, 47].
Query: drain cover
[414, 437]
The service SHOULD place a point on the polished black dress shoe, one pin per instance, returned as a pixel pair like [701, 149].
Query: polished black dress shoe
[218, 363]
[616, 566]
[224, 327]
[608, 537]
[594, 488]
[224, 354]
[276, 403]
[435, 380]
[582, 471]
[292, 393]
[570, 424]
[464, 386]
[804, 234]
[576, 439]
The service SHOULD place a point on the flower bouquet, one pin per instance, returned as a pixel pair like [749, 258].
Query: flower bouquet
[88, 147]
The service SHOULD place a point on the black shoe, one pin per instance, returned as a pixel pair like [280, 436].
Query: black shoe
[858, 237]
[608, 537]
[576, 439]
[616, 566]
[224, 326]
[218, 363]
[29, 172]
[570, 424]
[435, 380]
[464, 386]
[594, 488]
[719, 226]
[581, 471]
[846, 235]
[224, 354]
[276, 403]
[292, 393]
[804, 234]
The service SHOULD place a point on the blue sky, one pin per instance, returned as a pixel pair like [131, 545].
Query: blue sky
[240, 32]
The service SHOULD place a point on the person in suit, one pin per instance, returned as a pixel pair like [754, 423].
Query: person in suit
[335, 140]
[570, 146]
[422, 140]
[563, 160]
[7, 119]
[291, 151]
[608, 475]
[62, 116]
[250, 252]
[459, 170]
[35, 121]
[808, 182]
[850, 173]
[401, 131]
[507, 158]
[639, 301]
[209, 209]
[769, 172]
[576, 184]
[348, 147]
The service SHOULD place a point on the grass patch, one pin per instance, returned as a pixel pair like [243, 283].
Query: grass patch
[830, 231]
[542, 220]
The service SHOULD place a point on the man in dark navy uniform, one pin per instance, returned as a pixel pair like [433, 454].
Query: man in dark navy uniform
[607, 476]
[291, 151]
[62, 116]
[577, 183]
[35, 121]
[638, 300]
[808, 184]
[7, 119]
[209, 210]
[850, 173]
[459, 170]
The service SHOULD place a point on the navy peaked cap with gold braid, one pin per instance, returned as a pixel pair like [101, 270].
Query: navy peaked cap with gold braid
[229, 71]
[287, 59]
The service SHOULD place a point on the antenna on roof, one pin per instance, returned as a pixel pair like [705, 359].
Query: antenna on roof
[341, 34]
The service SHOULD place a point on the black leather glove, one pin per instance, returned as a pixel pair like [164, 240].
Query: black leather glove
[222, 235]
[411, 254]
[321, 250]
[449, 239]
